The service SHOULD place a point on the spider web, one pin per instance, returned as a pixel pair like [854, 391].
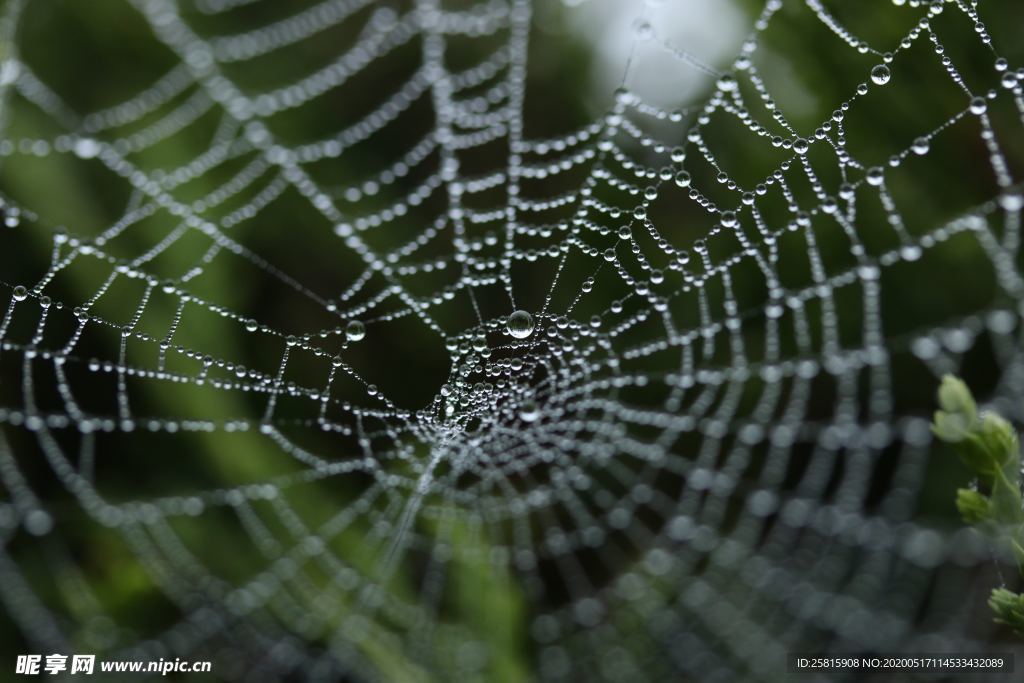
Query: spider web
[623, 401]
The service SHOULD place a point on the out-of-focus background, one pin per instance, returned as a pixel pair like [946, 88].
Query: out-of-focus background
[182, 182]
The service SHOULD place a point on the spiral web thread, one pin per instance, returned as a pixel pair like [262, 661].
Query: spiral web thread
[630, 469]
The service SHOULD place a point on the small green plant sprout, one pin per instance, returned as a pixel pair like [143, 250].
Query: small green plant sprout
[990, 448]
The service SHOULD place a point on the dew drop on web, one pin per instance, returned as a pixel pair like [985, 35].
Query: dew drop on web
[355, 331]
[880, 75]
[520, 324]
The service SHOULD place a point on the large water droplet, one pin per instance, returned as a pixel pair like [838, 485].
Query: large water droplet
[520, 325]
[20, 293]
[880, 75]
[355, 330]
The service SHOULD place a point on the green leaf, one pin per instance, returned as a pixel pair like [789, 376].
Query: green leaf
[955, 397]
[1000, 439]
[1009, 608]
[950, 427]
[973, 506]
